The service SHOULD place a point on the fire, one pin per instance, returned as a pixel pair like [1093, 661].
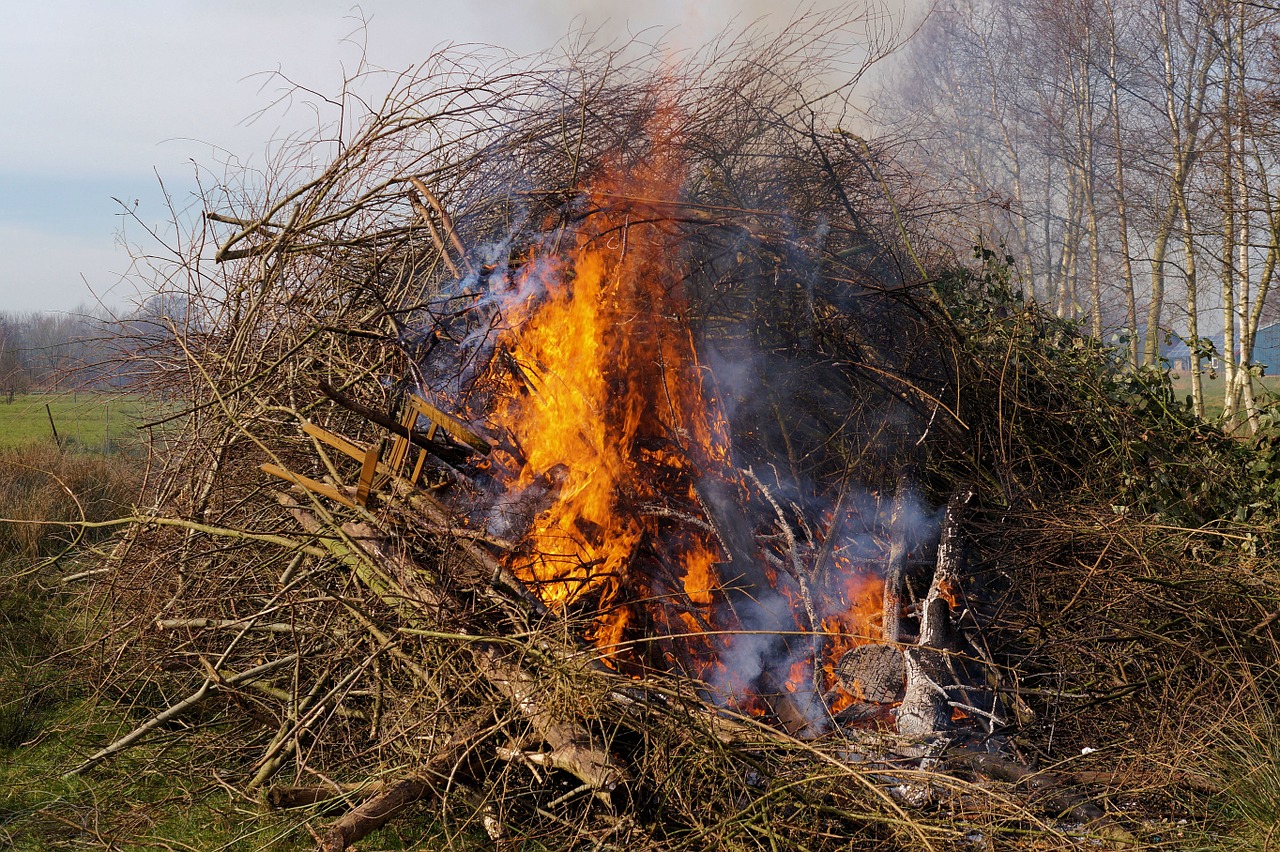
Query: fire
[612, 423]
[607, 405]
[572, 438]
[859, 622]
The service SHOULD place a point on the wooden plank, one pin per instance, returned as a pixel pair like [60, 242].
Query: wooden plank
[417, 468]
[393, 466]
[450, 452]
[367, 472]
[400, 446]
[339, 443]
[449, 424]
[321, 488]
[344, 445]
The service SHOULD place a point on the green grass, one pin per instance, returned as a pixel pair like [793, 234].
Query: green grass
[1249, 772]
[54, 711]
[159, 794]
[1266, 387]
[91, 420]
[148, 797]
[53, 714]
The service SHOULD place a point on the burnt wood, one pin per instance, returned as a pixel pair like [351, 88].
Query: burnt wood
[875, 673]
[452, 453]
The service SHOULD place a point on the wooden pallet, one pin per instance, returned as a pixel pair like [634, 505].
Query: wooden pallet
[378, 466]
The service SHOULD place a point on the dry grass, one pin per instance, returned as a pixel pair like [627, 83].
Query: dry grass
[44, 486]
[41, 489]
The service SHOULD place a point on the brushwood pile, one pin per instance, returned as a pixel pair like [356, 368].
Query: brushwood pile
[695, 369]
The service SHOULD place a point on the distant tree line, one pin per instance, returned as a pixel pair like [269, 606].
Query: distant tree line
[1126, 153]
[82, 349]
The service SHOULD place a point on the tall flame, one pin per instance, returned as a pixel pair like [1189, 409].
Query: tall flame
[612, 424]
[607, 402]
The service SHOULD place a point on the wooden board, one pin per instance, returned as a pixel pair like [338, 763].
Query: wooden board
[377, 468]
[367, 473]
[339, 443]
[321, 488]
[449, 424]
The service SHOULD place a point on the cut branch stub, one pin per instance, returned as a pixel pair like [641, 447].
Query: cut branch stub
[895, 580]
[873, 673]
[570, 745]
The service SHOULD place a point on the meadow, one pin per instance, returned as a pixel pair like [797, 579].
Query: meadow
[1267, 389]
[54, 708]
[96, 421]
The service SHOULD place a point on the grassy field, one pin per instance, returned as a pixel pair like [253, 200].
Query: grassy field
[53, 711]
[1265, 388]
[94, 421]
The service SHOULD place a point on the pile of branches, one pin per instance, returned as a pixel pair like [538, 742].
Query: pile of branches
[361, 658]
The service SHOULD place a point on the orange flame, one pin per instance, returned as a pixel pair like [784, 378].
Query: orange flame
[612, 422]
[612, 414]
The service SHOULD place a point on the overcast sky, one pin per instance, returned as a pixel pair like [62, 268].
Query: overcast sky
[104, 100]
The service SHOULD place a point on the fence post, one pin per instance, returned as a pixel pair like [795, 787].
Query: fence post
[49, 411]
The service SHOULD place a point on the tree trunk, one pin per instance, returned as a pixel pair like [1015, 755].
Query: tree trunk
[1193, 303]
[1122, 212]
[1151, 350]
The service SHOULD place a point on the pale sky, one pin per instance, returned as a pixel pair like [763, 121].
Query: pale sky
[107, 99]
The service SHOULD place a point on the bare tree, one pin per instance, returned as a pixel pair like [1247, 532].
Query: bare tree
[1098, 123]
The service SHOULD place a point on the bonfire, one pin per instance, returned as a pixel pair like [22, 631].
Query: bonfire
[587, 449]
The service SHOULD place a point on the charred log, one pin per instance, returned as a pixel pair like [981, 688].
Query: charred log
[926, 703]
[451, 453]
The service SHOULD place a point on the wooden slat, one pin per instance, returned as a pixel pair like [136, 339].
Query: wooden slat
[344, 445]
[400, 445]
[417, 468]
[339, 443]
[367, 472]
[321, 488]
[376, 469]
[449, 424]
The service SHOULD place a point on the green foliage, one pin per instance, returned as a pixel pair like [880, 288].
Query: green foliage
[1053, 411]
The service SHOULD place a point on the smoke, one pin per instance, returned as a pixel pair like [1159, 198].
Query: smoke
[775, 636]
[796, 327]
[691, 24]
[683, 27]
[785, 406]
